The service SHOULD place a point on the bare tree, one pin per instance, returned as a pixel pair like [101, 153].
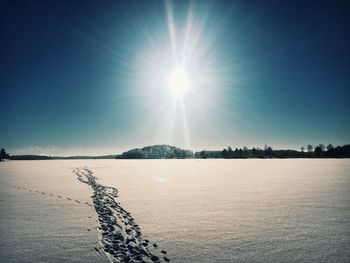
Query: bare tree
[310, 148]
[322, 147]
[3, 154]
[330, 147]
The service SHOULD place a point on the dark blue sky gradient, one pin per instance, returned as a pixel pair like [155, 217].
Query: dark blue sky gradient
[67, 71]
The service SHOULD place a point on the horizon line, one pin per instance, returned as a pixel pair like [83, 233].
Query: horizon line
[101, 154]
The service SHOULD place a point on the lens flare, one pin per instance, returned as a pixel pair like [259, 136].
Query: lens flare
[179, 77]
[178, 82]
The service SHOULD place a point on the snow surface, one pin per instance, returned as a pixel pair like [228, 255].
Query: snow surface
[195, 210]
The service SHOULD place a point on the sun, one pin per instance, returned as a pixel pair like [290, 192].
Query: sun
[178, 82]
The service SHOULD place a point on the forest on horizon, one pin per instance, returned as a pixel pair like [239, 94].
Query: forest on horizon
[171, 152]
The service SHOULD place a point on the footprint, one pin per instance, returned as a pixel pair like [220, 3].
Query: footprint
[154, 258]
[121, 236]
[68, 198]
[59, 196]
[77, 201]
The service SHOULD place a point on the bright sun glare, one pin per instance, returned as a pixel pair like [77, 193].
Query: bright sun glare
[178, 82]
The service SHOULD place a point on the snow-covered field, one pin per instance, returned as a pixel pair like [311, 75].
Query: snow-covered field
[181, 210]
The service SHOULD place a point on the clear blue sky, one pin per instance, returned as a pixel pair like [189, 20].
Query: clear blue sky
[88, 77]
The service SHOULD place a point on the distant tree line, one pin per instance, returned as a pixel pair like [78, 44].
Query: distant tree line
[241, 153]
[329, 151]
[171, 152]
[31, 157]
[4, 155]
[157, 152]
[319, 151]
